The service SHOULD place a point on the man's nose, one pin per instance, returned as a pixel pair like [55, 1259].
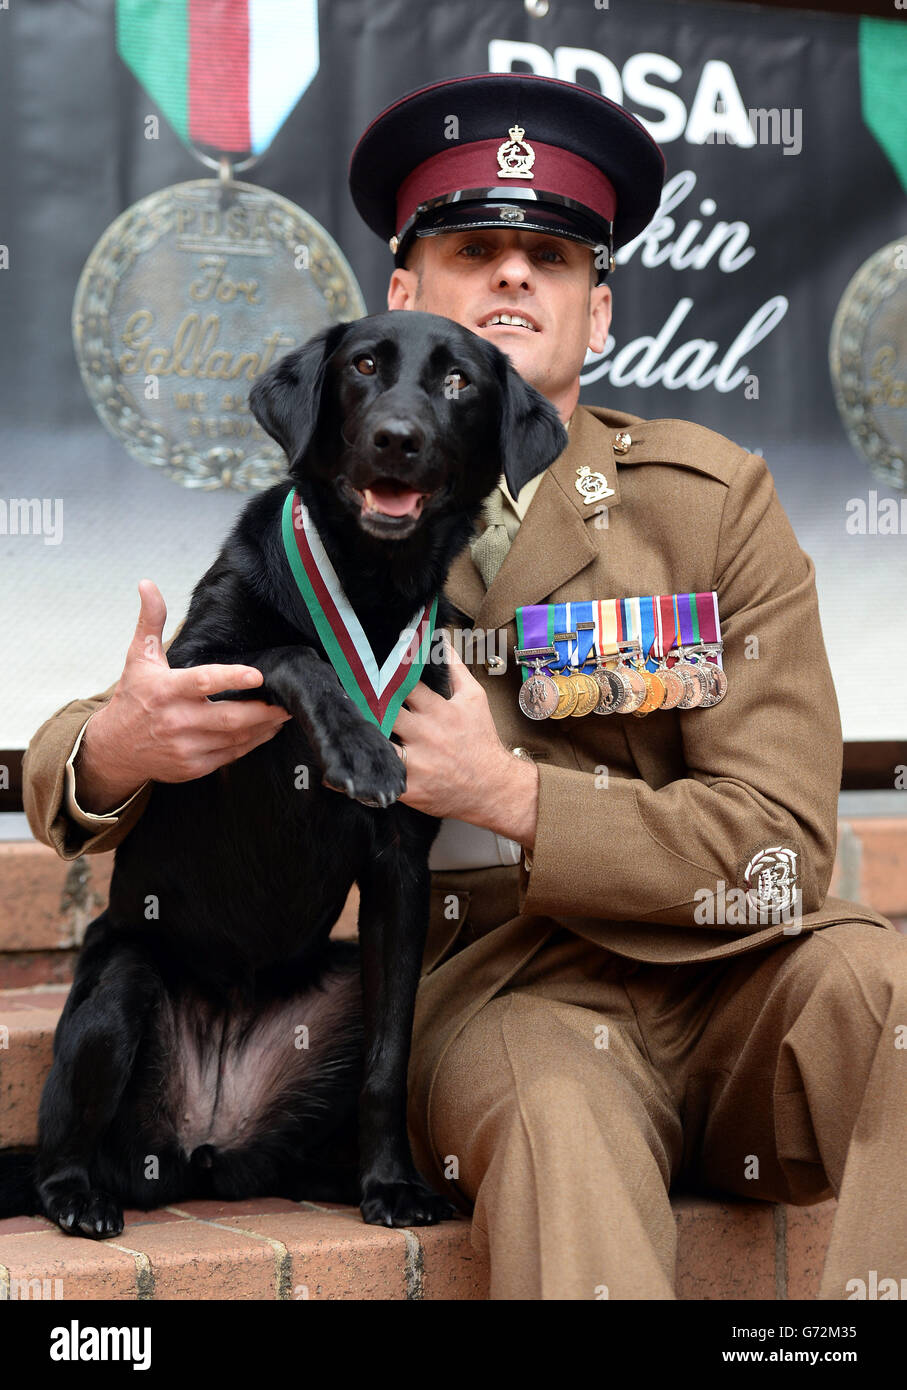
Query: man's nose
[396, 437]
[514, 268]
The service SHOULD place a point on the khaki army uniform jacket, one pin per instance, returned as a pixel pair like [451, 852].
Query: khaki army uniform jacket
[636, 816]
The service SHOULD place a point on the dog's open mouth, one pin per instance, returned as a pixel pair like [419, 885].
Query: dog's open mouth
[388, 503]
[393, 498]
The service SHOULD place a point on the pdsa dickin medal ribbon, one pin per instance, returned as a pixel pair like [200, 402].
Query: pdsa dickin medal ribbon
[377, 693]
[620, 656]
[196, 290]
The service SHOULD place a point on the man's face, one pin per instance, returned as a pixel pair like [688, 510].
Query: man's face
[473, 276]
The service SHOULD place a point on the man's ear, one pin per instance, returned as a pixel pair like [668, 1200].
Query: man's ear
[532, 435]
[286, 399]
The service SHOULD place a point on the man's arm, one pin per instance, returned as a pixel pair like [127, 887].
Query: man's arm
[153, 724]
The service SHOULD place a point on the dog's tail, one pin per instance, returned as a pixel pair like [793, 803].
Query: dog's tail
[18, 1193]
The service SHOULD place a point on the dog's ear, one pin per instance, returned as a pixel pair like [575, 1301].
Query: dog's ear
[532, 435]
[286, 399]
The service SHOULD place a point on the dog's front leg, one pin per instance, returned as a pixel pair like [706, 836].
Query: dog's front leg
[353, 754]
[393, 919]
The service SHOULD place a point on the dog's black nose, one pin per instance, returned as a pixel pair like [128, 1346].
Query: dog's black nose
[398, 437]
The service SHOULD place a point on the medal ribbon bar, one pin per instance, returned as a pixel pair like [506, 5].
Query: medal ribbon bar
[660, 623]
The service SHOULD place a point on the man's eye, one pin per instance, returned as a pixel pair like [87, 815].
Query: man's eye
[365, 365]
[456, 380]
[469, 248]
[548, 252]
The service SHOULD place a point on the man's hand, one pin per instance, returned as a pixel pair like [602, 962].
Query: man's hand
[457, 766]
[159, 723]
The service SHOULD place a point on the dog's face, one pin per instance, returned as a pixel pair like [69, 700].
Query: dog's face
[404, 416]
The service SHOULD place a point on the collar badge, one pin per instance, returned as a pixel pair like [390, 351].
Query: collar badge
[592, 486]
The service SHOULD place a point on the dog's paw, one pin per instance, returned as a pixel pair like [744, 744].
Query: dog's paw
[93, 1213]
[367, 767]
[410, 1202]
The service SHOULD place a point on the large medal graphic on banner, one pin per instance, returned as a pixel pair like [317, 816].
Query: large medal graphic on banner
[868, 357]
[868, 347]
[196, 290]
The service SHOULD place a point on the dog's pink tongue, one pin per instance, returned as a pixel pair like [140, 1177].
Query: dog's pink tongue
[391, 500]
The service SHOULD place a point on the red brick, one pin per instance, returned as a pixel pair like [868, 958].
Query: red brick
[216, 1210]
[45, 901]
[451, 1268]
[86, 1268]
[808, 1232]
[883, 870]
[134, 1216]
[871, 863]
[336, 1256]
[26, 969]
[18, 1225]
[725, 1249]
[30, 1017]
[195, 1260]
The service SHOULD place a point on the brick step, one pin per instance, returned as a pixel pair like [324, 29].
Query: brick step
[274, 1249]
[46, 903]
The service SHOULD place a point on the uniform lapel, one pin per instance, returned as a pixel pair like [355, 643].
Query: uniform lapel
[553, 543]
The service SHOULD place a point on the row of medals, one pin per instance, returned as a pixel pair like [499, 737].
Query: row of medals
[627, 688]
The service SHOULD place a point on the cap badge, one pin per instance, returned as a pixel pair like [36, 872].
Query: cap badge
[512, 215]
[592, 486]
[516, 156]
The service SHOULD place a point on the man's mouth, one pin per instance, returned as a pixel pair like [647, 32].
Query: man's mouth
[506, 320]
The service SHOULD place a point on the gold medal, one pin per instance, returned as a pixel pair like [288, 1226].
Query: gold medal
[589, 693]
[655, 692]
[568, 695]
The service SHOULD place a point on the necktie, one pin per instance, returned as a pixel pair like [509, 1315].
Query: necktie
[489, 549]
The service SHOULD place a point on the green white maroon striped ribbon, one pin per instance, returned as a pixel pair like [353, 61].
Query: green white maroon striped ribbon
[225, 73]
[377, 692]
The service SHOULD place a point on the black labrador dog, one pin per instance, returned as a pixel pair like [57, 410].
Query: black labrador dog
[216, 1042]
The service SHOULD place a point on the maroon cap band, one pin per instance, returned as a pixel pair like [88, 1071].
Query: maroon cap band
[476, 164]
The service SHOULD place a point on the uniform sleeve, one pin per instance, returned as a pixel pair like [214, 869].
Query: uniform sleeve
[48, 773]
[50, 785]
[763, 766]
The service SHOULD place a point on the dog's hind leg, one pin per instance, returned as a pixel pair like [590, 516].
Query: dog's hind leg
[95, 1048]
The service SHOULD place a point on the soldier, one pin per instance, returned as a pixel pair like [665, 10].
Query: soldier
[588, 1034]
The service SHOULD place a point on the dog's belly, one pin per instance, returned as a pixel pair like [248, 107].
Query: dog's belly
[232, 1075]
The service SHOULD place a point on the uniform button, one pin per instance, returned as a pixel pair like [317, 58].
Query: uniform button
[494, 663]
[622, 442]
[521, 753]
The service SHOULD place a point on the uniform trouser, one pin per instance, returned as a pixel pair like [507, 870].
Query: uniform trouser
[576, 1098]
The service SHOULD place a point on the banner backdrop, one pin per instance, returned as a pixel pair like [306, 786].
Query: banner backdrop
[786, 161]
